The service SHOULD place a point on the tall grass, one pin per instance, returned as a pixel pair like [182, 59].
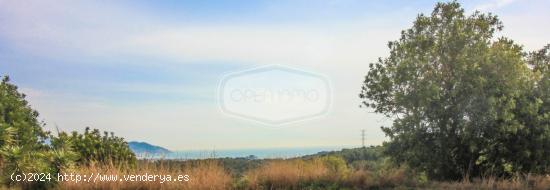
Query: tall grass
[286, 174]
[323, 172]
[327, 172]
[207, 174]
[333, 173]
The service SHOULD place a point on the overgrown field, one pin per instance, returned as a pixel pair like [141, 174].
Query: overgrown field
[327, 172]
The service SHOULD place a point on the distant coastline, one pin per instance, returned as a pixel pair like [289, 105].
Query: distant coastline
[254, 153]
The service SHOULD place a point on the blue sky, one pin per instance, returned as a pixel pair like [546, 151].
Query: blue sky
[149, 70]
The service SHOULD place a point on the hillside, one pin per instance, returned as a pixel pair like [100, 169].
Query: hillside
[140, 148]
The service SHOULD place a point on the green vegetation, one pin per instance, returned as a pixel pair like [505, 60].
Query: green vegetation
[464, 105]
[23, 146]
[22, 139]
[92, 147]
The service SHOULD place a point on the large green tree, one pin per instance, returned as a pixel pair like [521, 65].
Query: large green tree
[464, 103]
[22, 137]
[19, 125]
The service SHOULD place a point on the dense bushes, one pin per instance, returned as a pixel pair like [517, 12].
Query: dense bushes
[92, 147]
[24, 147]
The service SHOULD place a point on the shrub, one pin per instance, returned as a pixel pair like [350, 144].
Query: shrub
[91, 146]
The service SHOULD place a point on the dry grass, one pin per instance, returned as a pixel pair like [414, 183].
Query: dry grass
[317, 173]
[202, 175]
[361, 179]
[299, 174]
[286, 174]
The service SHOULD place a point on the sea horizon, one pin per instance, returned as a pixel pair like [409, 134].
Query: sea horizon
[254, 153]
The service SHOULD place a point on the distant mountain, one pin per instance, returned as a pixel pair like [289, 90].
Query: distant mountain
[141, 148]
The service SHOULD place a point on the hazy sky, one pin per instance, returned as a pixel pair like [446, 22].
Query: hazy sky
[149, 70]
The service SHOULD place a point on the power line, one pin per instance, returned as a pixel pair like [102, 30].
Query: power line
[363, 137]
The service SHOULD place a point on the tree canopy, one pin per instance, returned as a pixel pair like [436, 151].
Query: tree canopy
[464, 103]
[19, 125]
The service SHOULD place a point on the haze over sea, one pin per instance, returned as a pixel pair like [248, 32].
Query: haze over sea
[260, 153]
